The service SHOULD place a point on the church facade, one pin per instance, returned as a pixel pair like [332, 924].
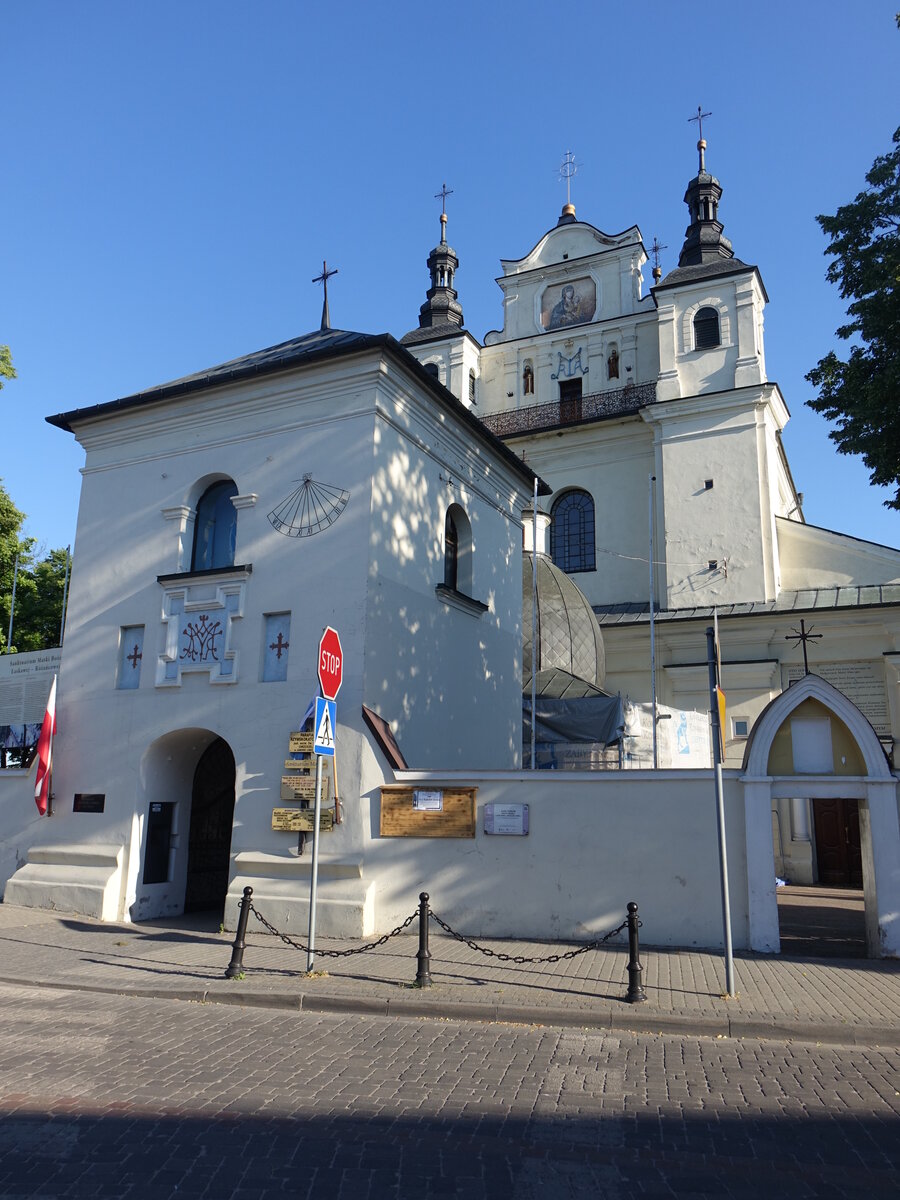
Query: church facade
[651, 415]
[379, 486]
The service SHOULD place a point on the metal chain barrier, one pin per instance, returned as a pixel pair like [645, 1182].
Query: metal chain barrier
[332, 953]
[520, 958]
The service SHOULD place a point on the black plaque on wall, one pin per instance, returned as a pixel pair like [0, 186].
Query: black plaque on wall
[89, 802]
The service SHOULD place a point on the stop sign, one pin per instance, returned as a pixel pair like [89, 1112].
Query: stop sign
[331, 664]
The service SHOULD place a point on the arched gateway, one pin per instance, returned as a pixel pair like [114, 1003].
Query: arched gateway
[183, 825]
[812, 744]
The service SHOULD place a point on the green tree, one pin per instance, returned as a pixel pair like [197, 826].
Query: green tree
[40, 581]
[7, 370]
[861, 393]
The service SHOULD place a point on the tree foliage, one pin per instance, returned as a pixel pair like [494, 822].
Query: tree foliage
[39, 583]
[7, 370]
[862, 393]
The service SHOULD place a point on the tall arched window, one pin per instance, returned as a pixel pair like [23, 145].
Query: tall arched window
[472, 387]
[215, 527]
[458, 550]
[706, 329]
[572, 532]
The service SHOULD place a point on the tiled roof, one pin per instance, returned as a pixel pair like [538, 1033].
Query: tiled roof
[879, 595]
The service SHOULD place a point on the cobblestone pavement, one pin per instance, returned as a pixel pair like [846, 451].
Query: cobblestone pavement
[127, 1097]
[855, 1001]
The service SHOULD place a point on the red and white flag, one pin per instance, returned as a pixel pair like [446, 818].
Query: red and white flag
[45, 753]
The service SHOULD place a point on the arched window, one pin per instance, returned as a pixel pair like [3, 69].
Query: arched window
[572, 532]
[471, 387]
[457, 550]
[432, 369]
[215, 527]
[706, 329]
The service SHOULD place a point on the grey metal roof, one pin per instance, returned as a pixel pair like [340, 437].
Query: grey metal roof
[710, 270]
[879, 595]
[432, 333]
[320, 345]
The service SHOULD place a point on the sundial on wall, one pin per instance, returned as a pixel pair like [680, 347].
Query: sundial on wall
[309, 509]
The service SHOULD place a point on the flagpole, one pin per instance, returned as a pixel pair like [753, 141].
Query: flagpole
[534, 593]
[62, 619]
[652, 636]
[12, 605]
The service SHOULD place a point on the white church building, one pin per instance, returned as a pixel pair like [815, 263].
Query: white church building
[378, 486]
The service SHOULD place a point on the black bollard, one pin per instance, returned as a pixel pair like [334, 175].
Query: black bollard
[635, 993]
[423, 958]
[236, 966]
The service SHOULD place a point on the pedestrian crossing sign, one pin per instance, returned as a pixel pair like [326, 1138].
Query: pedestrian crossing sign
[325, 726]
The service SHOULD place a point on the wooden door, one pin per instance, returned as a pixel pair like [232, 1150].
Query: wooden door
[838, 849]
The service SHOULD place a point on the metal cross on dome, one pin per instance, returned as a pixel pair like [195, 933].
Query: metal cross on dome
[442, 196]
[568, 168]
[656, 249]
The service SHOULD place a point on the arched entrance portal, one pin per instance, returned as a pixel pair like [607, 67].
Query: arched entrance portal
[209, 840]
[812, 765]
[181, 835]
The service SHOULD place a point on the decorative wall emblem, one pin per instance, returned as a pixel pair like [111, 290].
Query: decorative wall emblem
[567, 367]
[199, 640]
[569, 303]
[198, 620]
[309, 509]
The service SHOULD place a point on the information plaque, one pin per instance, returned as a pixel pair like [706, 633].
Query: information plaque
[301, 820]
[510, 819]
[302, 787]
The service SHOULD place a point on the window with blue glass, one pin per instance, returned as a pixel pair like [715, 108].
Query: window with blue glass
[215, 528]
[572, 532]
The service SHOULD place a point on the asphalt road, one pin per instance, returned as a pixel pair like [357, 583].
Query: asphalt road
[120, 1097]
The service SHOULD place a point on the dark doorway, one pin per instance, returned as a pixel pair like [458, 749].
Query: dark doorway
[569, 401]
[209, 841]
[838, 852]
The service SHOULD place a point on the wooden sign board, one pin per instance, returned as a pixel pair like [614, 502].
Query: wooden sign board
[301, 820]
[300, 764]
[301, 743]
[435, 812]
[302, 787]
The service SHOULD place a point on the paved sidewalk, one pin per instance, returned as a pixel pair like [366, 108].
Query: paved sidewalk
[837, 1001]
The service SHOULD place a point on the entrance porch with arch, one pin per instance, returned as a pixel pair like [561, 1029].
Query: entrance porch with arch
[769, 779]
[181, 830]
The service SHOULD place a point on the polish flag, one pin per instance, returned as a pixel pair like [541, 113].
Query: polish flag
[45, 753]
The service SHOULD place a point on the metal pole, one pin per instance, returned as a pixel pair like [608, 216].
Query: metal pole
[423, 958]
[720, 808]
[62, 618]
[652, 636]
[12, 605]
[314, 877]
[236, 966]
[534, 593]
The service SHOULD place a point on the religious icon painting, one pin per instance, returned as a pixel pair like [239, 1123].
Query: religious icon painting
[309, 509]
[569, 303]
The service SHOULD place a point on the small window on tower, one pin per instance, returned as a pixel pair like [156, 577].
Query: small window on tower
[706, 329]
[471, 387]
[432, 369]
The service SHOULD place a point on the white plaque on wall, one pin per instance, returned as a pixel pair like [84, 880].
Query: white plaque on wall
[511, 819]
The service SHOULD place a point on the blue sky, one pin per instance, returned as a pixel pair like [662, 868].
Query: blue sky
[176, 172]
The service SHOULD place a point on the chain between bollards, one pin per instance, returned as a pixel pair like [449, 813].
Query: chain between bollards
[635, 993]
[423, 958]
[236, 966]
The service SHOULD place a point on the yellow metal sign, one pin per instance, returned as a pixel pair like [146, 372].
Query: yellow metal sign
[302, 787]
[301, 820]
[300, 743]
[300, 764]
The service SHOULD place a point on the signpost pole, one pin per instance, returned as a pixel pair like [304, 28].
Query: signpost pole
[712, 659]
[314, 875]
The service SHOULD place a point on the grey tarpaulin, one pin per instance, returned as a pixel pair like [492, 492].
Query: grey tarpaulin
[597, 719]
